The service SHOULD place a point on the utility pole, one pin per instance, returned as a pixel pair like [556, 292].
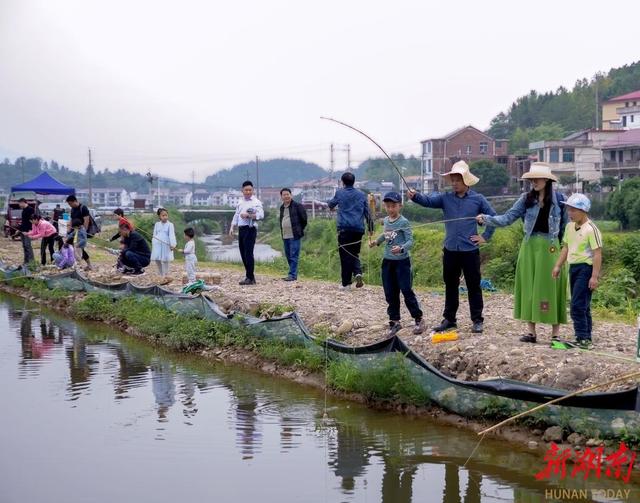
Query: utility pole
[257, 178]
[89, 170]
[348, 157]
[331, 163]
[597, 107]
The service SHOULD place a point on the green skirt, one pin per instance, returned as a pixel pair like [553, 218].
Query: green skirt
[538, 297]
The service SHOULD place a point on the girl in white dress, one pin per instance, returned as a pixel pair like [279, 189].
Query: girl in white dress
[163, 242]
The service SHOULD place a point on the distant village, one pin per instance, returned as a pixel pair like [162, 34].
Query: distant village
[588, 155]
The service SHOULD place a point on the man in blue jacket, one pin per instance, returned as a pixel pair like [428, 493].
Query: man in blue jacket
[353, 211]
[461, 241]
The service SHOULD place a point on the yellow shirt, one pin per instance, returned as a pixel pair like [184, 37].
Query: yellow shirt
[581, 242]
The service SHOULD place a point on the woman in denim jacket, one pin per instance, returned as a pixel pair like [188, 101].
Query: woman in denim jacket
[538, 297]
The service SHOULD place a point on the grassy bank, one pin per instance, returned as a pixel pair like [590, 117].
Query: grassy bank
[618, 296]
[180, 332]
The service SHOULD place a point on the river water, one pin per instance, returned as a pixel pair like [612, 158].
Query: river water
[218, 252]
[90, 414]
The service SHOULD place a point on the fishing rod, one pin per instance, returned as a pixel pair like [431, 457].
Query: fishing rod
[376, 144]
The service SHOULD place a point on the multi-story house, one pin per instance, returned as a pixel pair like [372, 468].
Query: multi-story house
[622, 112]
[170, 197]
[201, 197]
[578, 155]
[104, 197]
[621, 155]
[321, 189]
[466, 143]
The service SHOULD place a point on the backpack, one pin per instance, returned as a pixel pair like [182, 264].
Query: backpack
[94, 228]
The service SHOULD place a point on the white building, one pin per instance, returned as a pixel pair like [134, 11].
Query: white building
[579, 154]
[104, 197]
[232, 197]
[201, 197]
[171, 197]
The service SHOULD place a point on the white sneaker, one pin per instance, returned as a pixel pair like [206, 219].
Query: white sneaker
[345, 287]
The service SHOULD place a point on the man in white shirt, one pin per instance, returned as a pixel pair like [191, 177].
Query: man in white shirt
[248, 212]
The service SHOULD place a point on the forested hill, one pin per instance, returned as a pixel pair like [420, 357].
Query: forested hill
[551, 115]
[273, 173]
[22, 169]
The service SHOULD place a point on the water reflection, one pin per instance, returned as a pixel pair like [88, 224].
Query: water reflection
[186, 402]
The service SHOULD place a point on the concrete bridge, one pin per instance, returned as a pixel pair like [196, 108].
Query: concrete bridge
[222, 216]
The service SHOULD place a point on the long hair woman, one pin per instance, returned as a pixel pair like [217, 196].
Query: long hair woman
[538, 297]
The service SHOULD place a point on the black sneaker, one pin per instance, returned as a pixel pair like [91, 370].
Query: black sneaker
[359, 282]
[136, 272]
[445, 325]
[584, 344]
[247, 281]
[289, 278]
[478, 327]
[529, 338]
[394, 328]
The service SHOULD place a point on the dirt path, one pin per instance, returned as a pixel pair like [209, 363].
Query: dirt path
[359, 317]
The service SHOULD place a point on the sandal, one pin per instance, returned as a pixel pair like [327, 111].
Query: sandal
[529, 338]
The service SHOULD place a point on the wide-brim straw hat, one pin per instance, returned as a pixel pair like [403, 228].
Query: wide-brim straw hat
[539, 170]
[461, 168]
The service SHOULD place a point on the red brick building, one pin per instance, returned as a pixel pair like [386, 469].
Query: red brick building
[466, 143]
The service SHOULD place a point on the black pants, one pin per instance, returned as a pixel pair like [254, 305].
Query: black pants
[246, 242]
[135, 260]
[468, 263]
[44, 244]
[396, 278]
[579, 276]
[349, 254]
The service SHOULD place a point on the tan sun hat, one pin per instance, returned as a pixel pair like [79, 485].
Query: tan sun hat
[539, 170]
[461, 168]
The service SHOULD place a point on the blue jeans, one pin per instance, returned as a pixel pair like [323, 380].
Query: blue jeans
[396, 278]
[292, 252]
[579, 276]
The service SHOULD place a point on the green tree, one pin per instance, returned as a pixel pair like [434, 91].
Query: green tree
[624, 205]
[493, 177]
[567, 179]
[609, 182]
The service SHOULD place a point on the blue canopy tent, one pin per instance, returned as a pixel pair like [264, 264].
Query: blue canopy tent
[44, 183]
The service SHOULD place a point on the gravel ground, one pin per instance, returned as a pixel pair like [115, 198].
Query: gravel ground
[358, 317]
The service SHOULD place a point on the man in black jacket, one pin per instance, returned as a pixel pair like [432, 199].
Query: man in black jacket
[293, 220]
[25, 226]
[135, 254]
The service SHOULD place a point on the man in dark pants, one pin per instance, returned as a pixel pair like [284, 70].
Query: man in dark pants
[80, 212]
[353, 211]
[460, 253]
[248, 212]
[136, 253]
[25, 226]
[293, 220]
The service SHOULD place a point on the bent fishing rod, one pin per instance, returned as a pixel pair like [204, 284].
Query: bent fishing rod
[376, 144]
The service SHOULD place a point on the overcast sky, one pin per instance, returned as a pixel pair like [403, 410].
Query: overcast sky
[195, 86]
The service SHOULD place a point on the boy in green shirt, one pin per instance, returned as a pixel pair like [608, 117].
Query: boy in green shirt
[582, 248]
[396, 265]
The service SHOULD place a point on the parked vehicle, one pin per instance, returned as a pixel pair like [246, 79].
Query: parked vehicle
[13, 216]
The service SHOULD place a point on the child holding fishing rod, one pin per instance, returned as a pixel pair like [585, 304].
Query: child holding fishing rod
[396, 265]
[461, 206]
